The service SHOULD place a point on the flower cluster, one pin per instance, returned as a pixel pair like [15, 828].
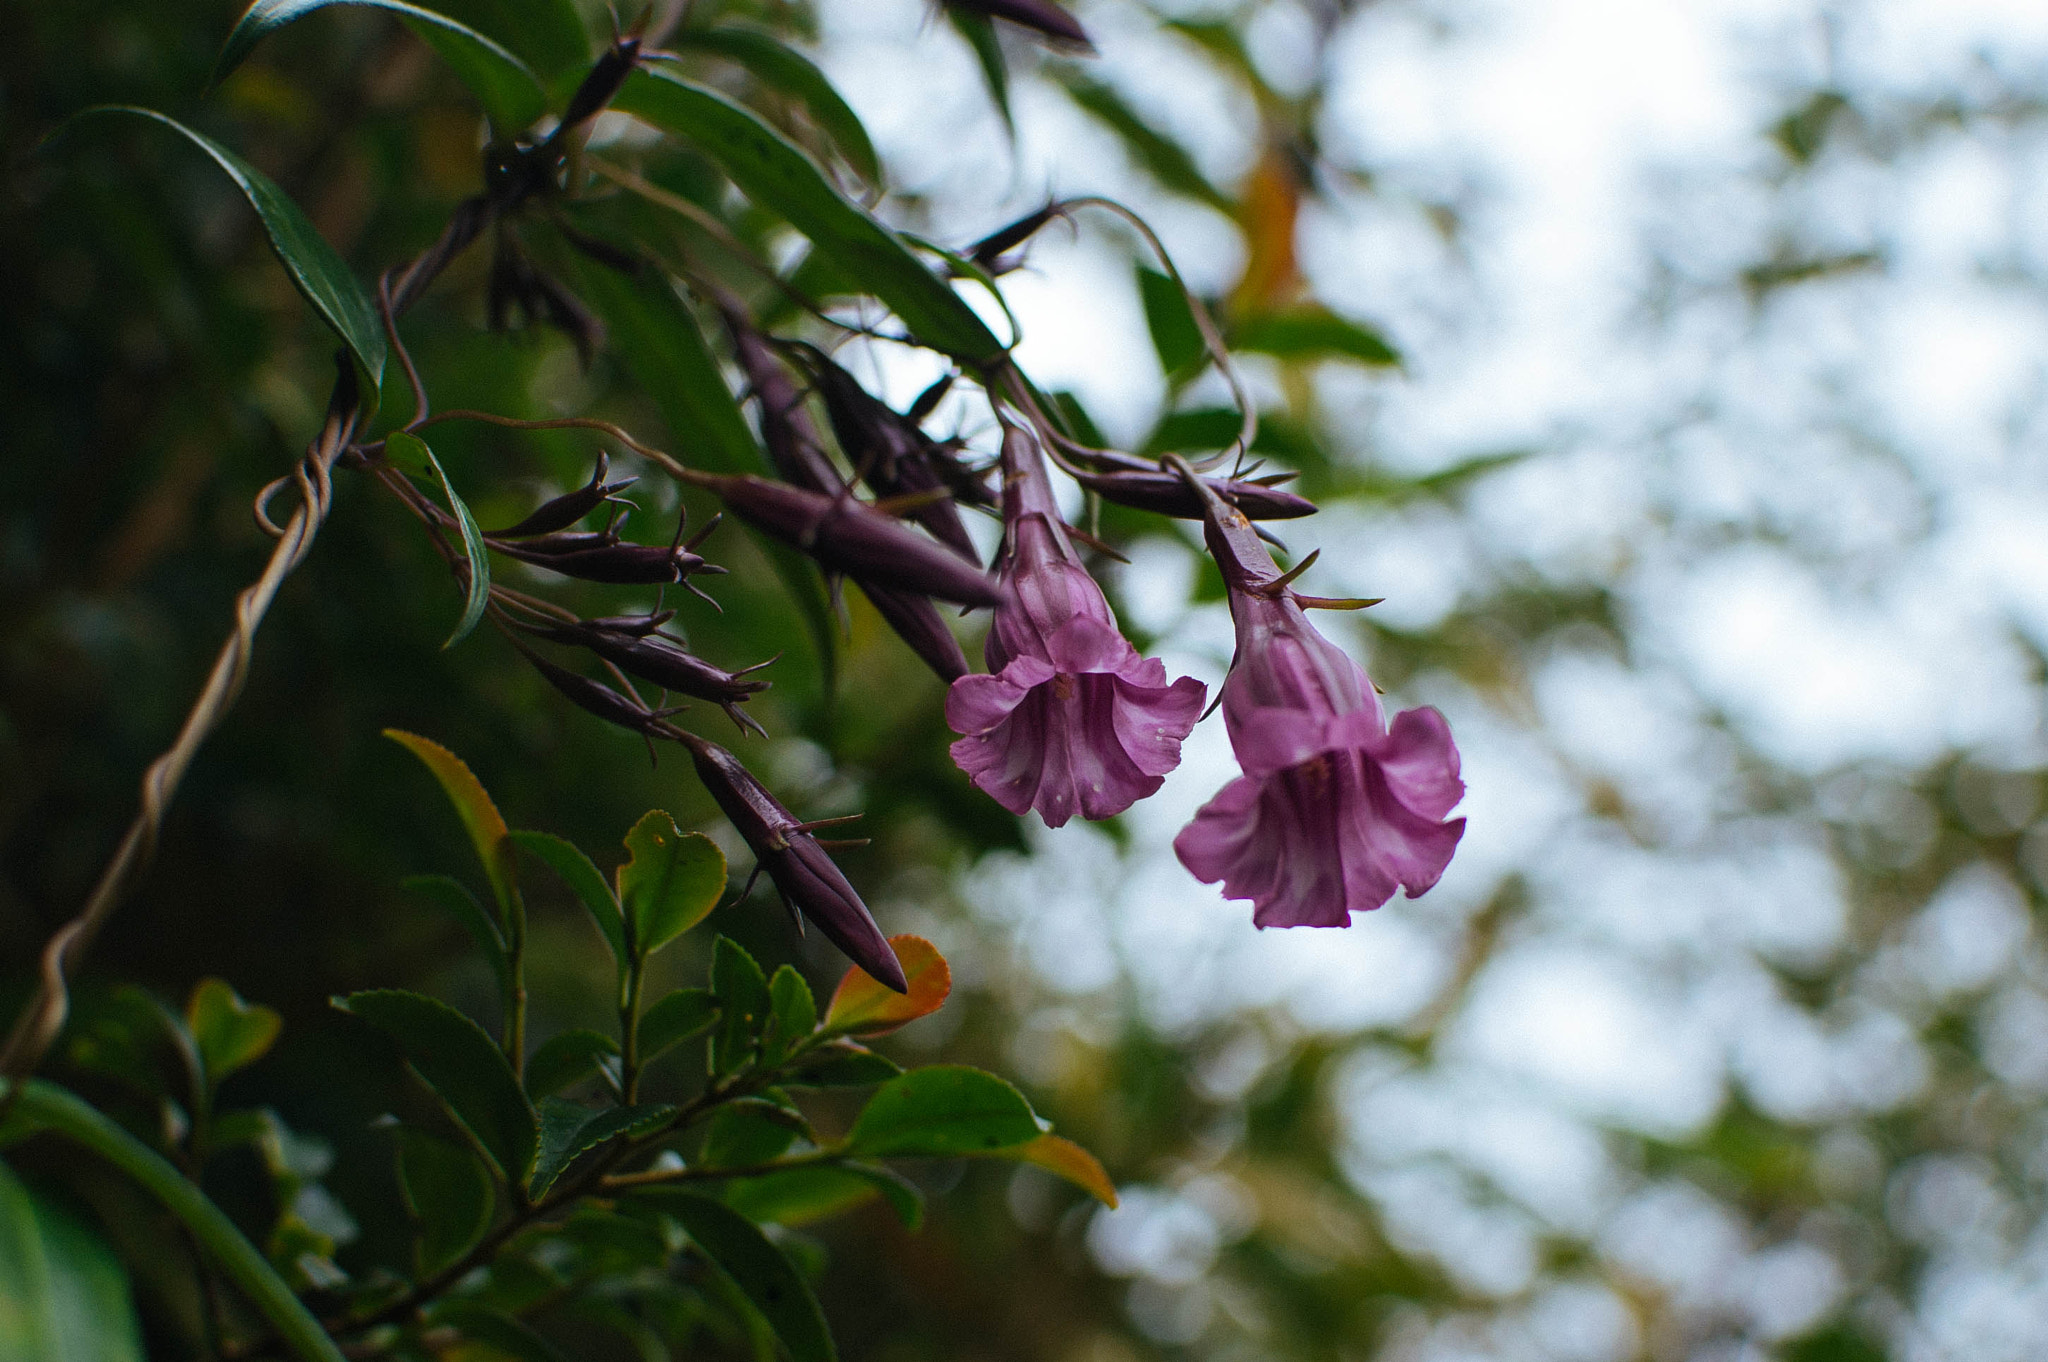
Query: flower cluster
[1337, 808]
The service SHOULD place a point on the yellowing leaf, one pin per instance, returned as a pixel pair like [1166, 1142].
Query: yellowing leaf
[230, 1033]
[1058, 1155]
[486, 826]
[863, 1007]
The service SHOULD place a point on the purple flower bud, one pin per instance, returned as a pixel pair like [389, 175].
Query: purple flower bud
[1165, 493]
[846, 535]
[1071, 719]
[792, 444]
[988, 251]
[802, 870]
[918, 623]
[600, 699]
[606, 76]
[664, 661]
[1336, 808]
[1041, 16]
[794, 449]
[564, 511]
[614, 563]
[888, 452]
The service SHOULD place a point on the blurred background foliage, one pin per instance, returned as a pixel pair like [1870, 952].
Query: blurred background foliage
[1724, 1038]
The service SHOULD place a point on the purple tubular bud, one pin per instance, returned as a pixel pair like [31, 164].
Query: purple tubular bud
[1041, 16]
[564, 511]
[1166, 494]
[888, 451]
[928, 401]
[849, 536]
[638, 626]
[990, 248]
[596, 697]
[785, 429]
[548, 546]
[657, 658]
[603, 82]
[918, 623]
[802, 869]
[615, 564]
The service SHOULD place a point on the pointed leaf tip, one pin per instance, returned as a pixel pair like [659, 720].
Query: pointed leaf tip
[317, 271]
[864, 1006]
[1063, 1158]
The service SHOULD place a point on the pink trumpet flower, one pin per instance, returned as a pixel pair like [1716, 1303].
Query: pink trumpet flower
[1070, 719]
[1336, 809]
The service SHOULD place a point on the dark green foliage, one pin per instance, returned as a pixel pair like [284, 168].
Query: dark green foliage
[454, 1057]
[316, 271]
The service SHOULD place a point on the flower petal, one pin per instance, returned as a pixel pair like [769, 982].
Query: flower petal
[1152, 721]
[1420, 762]
[1387, 840]
[1084, 645]
[1270, 739]
[976, 704]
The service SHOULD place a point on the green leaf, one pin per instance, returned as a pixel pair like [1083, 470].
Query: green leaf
[942, 1111]
[500, 1333]
[230, 1033]
[46, 1105]
[843, 1066]
[741, 991]
[794, 1009]
[1306, 333]
[63, 1293]
[615, 1243]
[504, 85]
[448, 1191]
[1175, 337]
[462, 1065]
[454, 898]
[480, 817]
[670, 883]
[744, 1136]
[776, 175]
[799, 1196]
[1063, 1158]
[320, 275]
[657, 336]
[124, 1037]
[764, 1276]
[1166, 160]
[566, 1059]
[794, 75]
[586, 881]
[980, 34]
[569, 1131]
[673, 1020]
[410, 449]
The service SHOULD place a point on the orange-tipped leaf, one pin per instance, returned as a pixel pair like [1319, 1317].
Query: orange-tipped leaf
[863, 1007]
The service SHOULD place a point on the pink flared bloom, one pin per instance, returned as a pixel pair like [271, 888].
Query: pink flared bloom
[1071, 719]
[1336, 809]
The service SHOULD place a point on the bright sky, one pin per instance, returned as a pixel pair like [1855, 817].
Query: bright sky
[1877, 623]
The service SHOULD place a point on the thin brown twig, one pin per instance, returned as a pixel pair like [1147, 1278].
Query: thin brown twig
[39, 1023]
